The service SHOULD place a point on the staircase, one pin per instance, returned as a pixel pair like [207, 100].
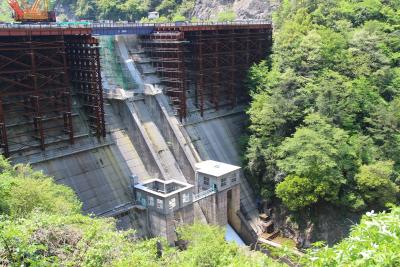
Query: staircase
[203, 194]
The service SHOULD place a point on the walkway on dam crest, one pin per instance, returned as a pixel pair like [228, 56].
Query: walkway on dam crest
[117, 28]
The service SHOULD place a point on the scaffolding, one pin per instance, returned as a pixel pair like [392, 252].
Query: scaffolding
[213, 59]
[83, 56]
[39, 74]
[35, 95]
[221, 59]
[166, 50]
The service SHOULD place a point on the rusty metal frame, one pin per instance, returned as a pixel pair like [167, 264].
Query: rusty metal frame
[40, 71]
[84, 67]
[221, 58]
[35, 106]
[216, 58]
[167, 53]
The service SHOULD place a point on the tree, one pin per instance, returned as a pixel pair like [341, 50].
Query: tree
[86, 9]
[207, 247]
[375, 183]
[178, 17]
[374, 242]
[134, 9]
[384, 129]
[297, 192]
[5, 12]
[319, 156]
[166, 6]
[23, 190]
[337, 60]
[41, 225]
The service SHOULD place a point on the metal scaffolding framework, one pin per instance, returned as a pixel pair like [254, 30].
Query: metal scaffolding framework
[167, 53]
[214, 59]
[84, 65]
[36, 88]
[35, 96]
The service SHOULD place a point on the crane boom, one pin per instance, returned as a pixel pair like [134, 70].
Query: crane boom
[16, 7]
[38, 12]
[35, 5]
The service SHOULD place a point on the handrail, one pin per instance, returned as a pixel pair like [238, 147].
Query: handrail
[128, 24]
[203, 194]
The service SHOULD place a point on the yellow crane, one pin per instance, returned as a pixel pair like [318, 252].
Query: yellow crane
[37, 12]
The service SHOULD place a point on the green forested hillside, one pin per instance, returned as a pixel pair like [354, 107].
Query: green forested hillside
[325, 115]
[129, 9]
[115, 9]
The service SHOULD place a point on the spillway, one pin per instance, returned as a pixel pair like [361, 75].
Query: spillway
[167, 98]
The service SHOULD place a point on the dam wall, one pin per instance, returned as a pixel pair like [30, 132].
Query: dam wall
[187, 107]
[170, 128]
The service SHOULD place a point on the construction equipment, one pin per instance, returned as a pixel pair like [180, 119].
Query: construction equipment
[37, 12]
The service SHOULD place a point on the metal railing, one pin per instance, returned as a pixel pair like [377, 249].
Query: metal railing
[84, 24]
[203, 194]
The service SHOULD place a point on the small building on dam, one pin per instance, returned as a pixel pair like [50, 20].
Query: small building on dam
[66, 110]
[169, 203]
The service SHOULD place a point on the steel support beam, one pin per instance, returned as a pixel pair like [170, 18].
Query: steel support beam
[220, 57]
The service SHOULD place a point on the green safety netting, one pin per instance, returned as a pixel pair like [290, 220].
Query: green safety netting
[112, 66]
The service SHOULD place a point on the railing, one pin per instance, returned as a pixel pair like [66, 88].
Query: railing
[118, 210]
[84, 24]
[203, 194]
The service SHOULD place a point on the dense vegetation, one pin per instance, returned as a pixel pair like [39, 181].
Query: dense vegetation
[374, 242]
[325, 115]
[129, 9]
[41, 225]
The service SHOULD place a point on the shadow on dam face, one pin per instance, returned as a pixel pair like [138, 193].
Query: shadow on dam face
[65, 119]
[214, 59]
[44, 69]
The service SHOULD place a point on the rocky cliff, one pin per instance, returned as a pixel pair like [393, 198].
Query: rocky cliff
[244, 9]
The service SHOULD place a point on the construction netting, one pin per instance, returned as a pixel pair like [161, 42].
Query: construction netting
[113, 68]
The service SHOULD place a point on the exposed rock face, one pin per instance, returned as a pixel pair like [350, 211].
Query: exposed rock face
[244, 9]
[324, 222]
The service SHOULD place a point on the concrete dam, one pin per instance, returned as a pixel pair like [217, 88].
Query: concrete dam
[141, 120]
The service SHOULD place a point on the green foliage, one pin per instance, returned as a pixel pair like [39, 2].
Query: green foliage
[336, 61]
[375, 183]
[297, 192]
[384, 129]
[62, 18]
[85, 9]
[73, 240]
[225, 16]
[117, 10]
[374, 242]
[207, 247]
[166, 6]
[178, 17]
[321, 155]
[131, 10]
[40, 225]
[23, 190]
